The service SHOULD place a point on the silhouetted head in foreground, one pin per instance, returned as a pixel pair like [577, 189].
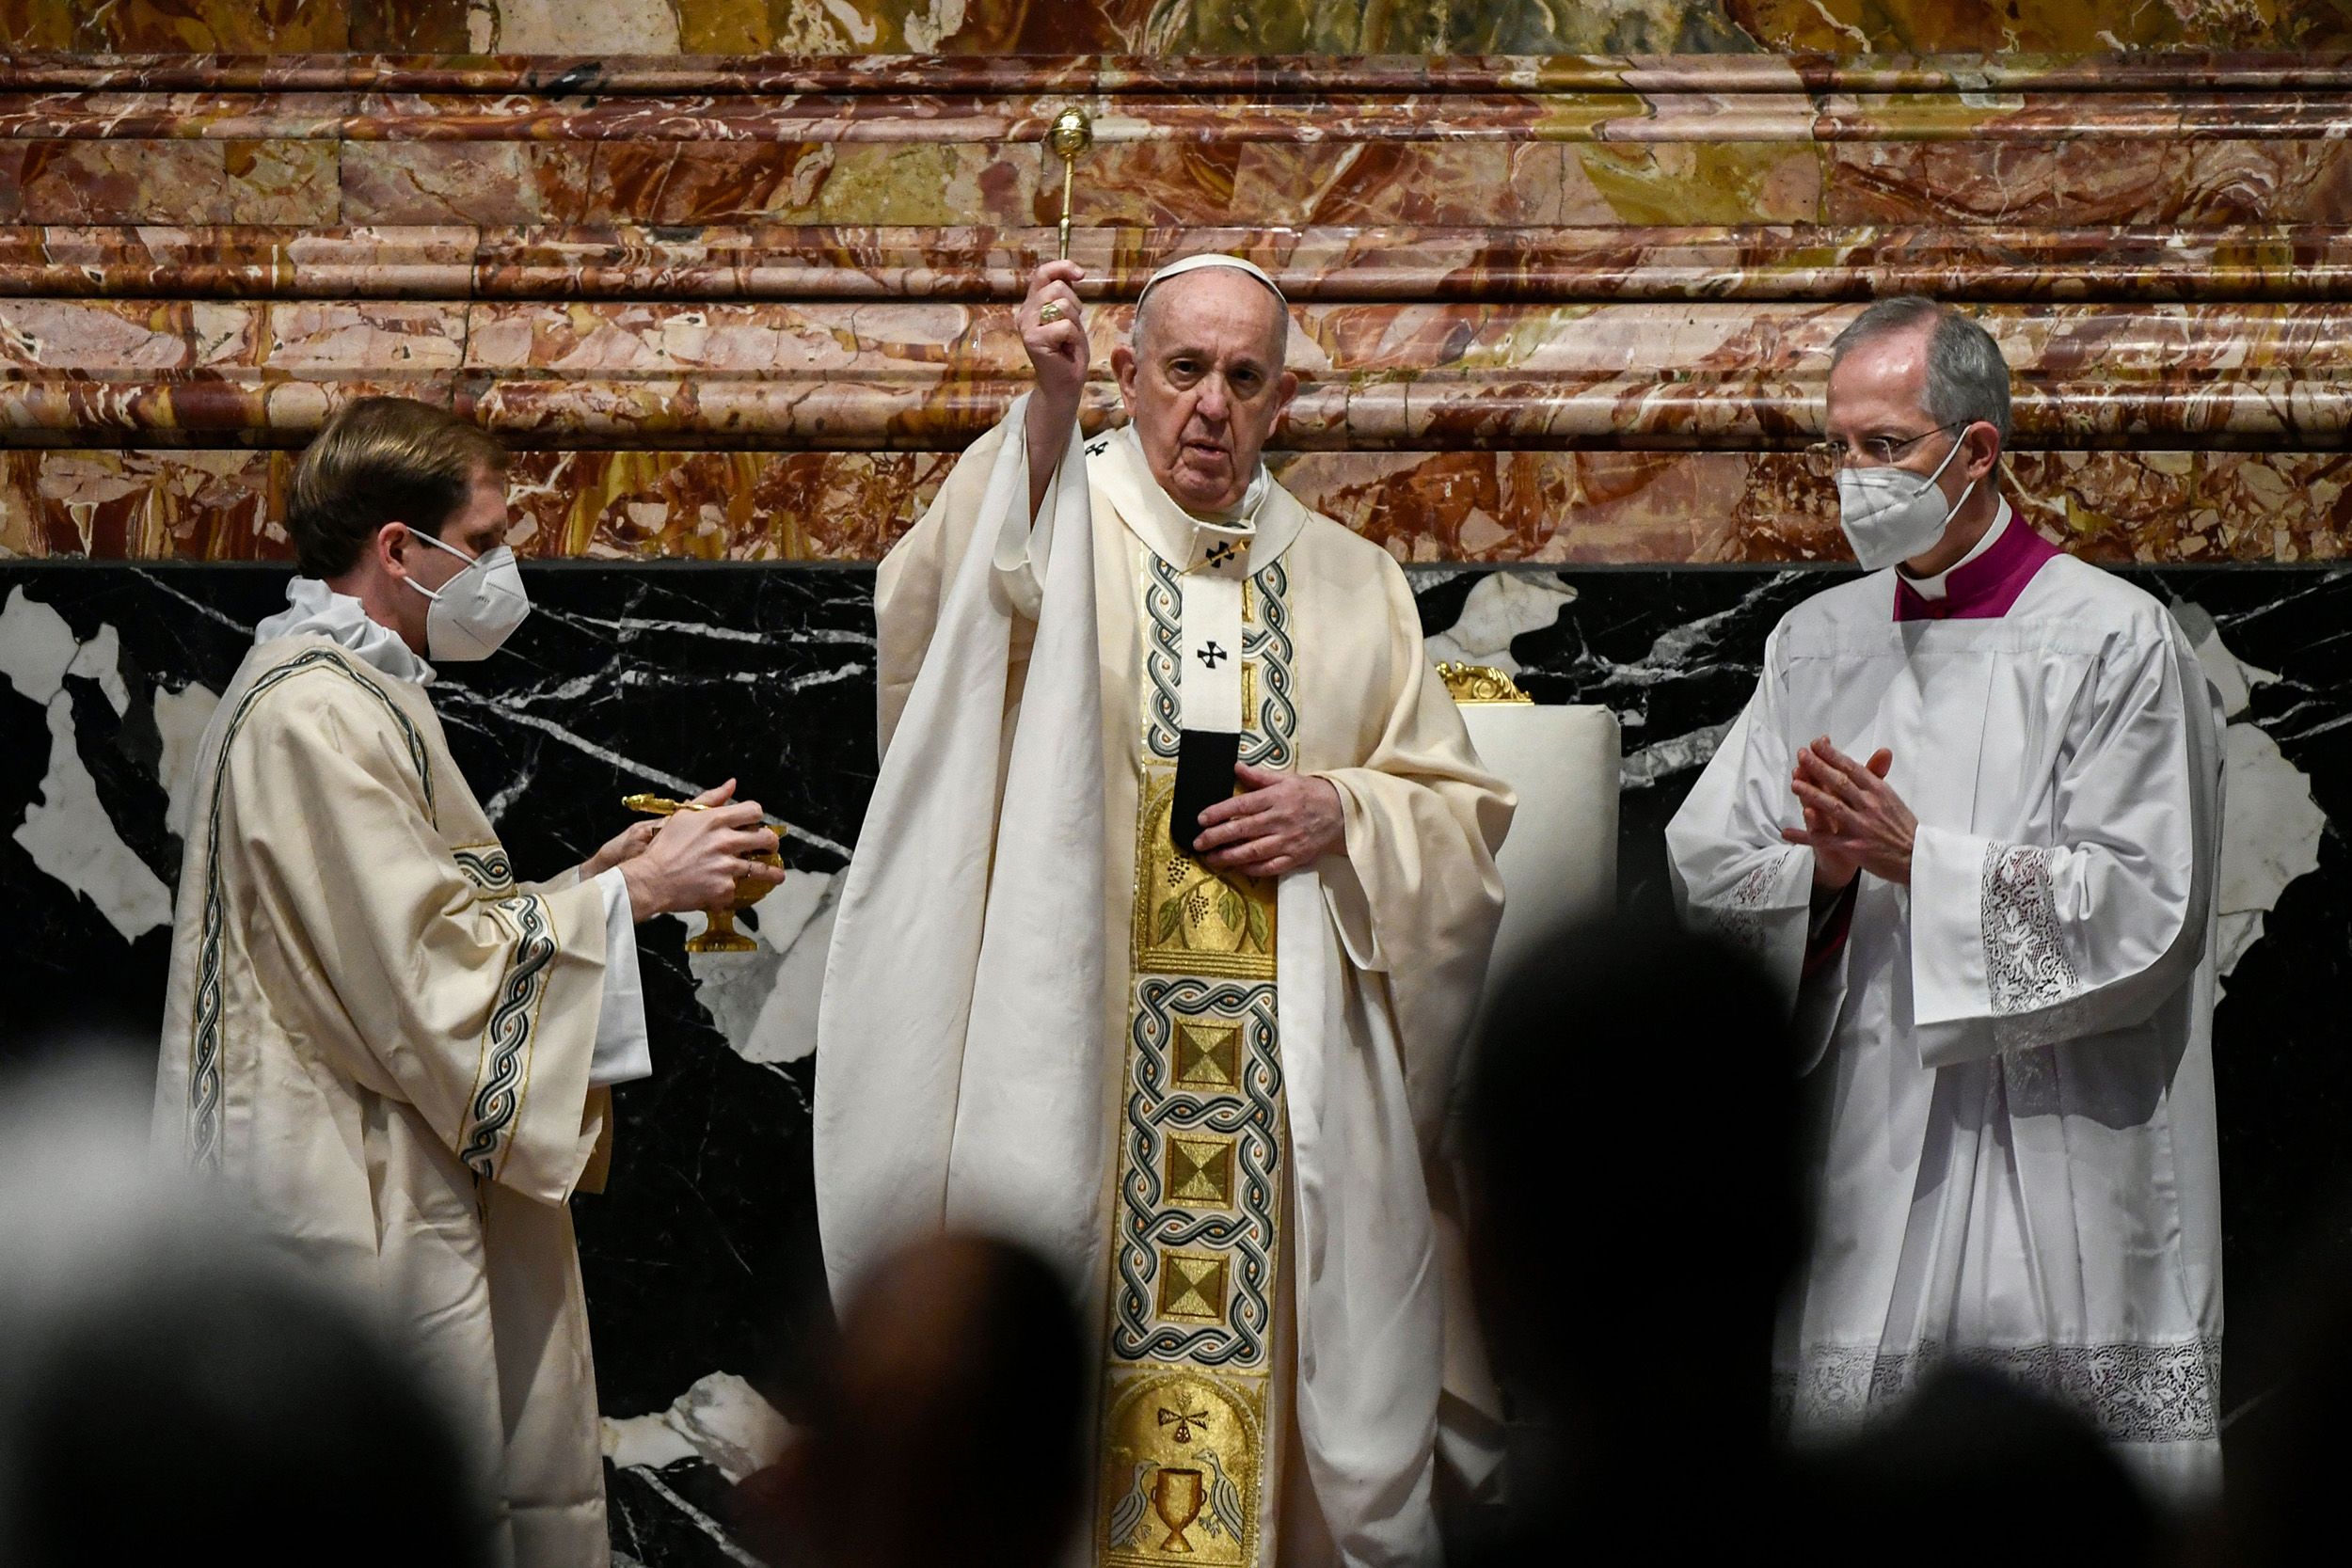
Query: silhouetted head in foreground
[168, 1391]
[2289, 1450]
[1974, 1469]
[958, 1366]
[1636, 1209]
[198, 1408]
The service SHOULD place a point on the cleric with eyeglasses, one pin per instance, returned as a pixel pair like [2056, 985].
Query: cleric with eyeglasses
[1969, 820]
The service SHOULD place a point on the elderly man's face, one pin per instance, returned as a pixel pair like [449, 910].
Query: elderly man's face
[1877, 403]
[1204, 383]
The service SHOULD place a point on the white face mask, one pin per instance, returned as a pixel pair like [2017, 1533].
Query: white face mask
[1892, 514]
[475, 612]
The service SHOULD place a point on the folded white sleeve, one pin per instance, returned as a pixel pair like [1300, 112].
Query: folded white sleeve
[622, 1055]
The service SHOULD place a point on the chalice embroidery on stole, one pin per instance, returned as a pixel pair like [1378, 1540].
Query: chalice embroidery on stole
[1202, 1141]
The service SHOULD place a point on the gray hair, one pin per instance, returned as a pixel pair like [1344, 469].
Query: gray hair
[1967, 379]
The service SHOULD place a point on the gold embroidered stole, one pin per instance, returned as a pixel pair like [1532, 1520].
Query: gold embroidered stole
[1186, 1471]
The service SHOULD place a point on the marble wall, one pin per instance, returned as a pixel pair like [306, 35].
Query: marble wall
[1548, 310]
[1218, 27]
[736, 282]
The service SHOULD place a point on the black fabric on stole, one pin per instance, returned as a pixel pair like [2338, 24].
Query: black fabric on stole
[1204, 776]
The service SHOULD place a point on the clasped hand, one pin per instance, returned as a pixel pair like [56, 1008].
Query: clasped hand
[1285, 822]
[1853, 819]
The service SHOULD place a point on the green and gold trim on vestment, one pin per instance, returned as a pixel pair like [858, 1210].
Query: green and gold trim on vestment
[205, 1104]
[495, 1107]
[503, 1077]
[1184, 1470]
[486, 867]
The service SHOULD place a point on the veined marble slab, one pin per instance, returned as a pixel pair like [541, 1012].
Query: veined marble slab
[1626, 263]
[932, 375]
[1244, 27]
[700, 1261]
[1428, 507]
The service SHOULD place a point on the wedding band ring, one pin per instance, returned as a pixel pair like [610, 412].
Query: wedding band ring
[1049, 311]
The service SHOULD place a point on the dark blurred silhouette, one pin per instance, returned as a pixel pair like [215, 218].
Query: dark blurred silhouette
[167, 1390]
[195, 1407]
[1973, 1469]
[945, 1425]
[1635, 1140]
[1633, 1158]
[2289, 1449]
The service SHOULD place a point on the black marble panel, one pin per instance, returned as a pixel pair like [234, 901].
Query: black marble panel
[702, 1254]
[702, 1257]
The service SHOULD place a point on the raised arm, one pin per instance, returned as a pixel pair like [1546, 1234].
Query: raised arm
[1056, 336]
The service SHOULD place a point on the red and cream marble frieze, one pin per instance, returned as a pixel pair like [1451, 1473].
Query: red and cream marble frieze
[1229, 27]
[1571, 507]
[2088, 180]
[909, 374]
[964, 341]
[1624, 263]
[1546, 308]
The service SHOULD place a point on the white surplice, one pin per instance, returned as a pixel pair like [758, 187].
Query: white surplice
[2016, 1157]
[972, 1057]
[395, 1055]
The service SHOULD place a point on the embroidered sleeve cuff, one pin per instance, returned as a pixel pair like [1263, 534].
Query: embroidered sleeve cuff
[523, 1125]
[1767, 912]
[1990, 970]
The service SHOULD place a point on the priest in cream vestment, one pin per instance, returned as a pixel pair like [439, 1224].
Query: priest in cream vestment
[1999, 929]
[390, 1050]
[1207, 1077]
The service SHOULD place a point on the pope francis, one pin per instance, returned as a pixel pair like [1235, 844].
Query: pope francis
[1172, 902]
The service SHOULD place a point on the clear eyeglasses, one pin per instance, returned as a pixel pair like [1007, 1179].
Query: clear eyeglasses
[1824, 458]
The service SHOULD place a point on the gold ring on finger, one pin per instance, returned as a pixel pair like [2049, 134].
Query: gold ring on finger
[1049, 311]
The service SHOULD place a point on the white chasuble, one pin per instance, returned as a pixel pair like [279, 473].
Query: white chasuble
[1213, 1101]
[2016, 1160]
[382, 1043]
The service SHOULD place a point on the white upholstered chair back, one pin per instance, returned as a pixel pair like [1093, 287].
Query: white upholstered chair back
[1559, 862]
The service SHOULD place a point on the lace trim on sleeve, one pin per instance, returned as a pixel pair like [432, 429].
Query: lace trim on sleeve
[2024, 954]
[1741, 920]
